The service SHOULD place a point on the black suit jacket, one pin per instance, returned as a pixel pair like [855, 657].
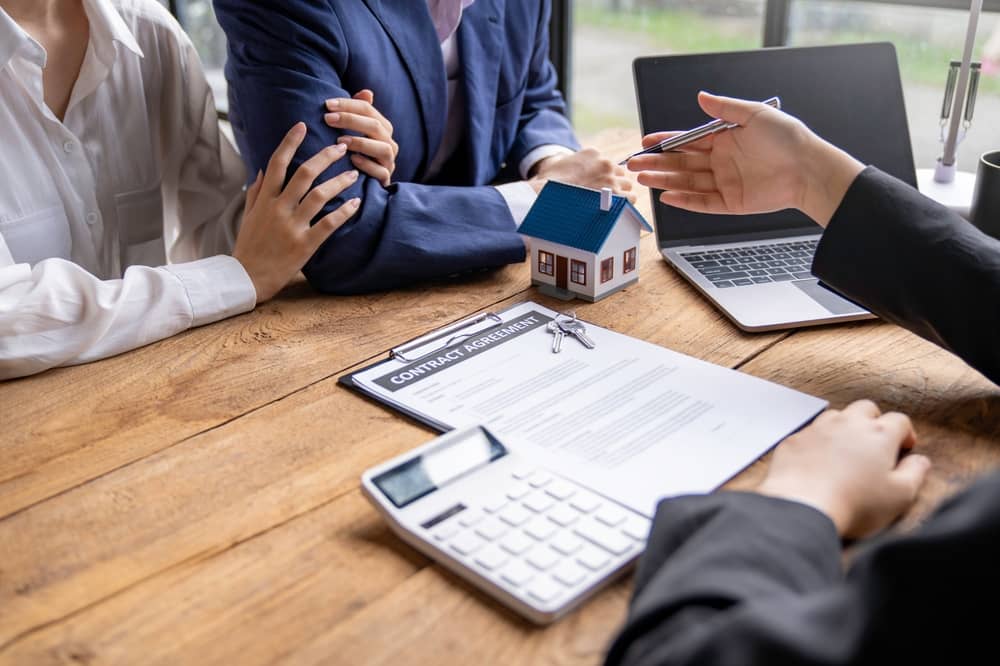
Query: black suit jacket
[741, 579]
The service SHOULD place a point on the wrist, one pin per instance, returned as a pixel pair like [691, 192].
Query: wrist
[537, 184]
[827, 173]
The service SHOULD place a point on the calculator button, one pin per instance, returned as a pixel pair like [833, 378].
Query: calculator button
[466, 543]
[585, 502]
[516, 542]
[560, 489]
[495, 504]
[544, 589]
[569, 574]
[542, 558]
[540, 480]
[491, 529]
[517, 573]
[540, 528]
[593, 558]
[539, 502]
[518, 491]
[446, 531]
[637, 528]
[471, 518]
[566, 543]
[523, 473]
[600, 535]
[492, 558]
[610, 515]
[515, 515]
[563, 516]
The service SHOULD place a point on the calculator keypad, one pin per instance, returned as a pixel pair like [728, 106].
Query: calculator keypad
[543, 538]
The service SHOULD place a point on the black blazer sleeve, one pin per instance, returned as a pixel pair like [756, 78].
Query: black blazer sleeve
[753, 580]
[918, 265]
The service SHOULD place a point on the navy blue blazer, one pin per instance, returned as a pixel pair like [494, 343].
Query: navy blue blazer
[286, 57]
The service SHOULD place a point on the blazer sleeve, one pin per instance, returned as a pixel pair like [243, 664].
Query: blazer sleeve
[284, 62]
[543, 113]
[743, 579]
[917, 264]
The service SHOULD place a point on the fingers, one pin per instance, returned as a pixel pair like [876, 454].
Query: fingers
[309, 171]
[254, 190]
[372, 126]
[900, 428]
[365, 96]
[321, 195]
[277, 166]
[730, 109]
[702, 145]
[697, 203]
[908, 478]
[330, 223]
[863, 408]
[383, 152]
[699, 182]
[373, 169]
[671, 162]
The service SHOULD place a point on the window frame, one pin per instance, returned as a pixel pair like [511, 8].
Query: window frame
[550, 264]
[607, 270]
[628, 260]
[574, 265]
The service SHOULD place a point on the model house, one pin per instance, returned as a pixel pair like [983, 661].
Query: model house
[582, 243]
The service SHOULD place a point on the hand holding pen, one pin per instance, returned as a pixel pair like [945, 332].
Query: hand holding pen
[676, 142]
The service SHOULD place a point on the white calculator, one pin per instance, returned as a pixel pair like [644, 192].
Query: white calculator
[536, 542]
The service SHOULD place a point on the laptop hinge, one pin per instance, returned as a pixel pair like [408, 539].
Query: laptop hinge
[742, 237]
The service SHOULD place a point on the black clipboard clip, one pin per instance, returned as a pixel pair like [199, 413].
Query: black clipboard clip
[400, 353]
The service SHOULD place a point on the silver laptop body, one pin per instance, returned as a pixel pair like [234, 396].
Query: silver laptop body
[756, 268]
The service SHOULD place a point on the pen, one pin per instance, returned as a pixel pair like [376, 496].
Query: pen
[700, 132]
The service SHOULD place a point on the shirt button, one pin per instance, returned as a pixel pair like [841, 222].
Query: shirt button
[92, 218]
[69, 146]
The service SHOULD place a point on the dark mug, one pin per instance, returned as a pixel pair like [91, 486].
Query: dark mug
[985, 211]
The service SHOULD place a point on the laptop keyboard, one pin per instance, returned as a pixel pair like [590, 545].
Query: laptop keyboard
[755, 264]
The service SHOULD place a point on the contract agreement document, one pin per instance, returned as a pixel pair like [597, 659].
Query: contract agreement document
[631, 420]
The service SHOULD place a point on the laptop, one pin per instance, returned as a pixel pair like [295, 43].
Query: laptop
[756, 268]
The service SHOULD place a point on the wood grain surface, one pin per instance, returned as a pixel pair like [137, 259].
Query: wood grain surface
[197, 501]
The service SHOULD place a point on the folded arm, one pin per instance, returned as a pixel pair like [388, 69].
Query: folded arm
[285, 60]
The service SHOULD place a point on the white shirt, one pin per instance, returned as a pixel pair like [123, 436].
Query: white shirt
[114, 223]
[520, 196]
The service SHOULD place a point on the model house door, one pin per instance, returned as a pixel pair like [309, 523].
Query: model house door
[562, 272]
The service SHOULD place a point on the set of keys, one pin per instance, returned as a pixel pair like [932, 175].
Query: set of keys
[567, 324]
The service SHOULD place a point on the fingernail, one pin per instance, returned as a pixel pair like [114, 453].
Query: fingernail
[344, 140]
[355, 202]
[352, 175]
[332, 117]
[332, 104]
[299, 129]
[340, 147]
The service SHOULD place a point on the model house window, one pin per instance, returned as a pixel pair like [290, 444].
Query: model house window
[546, 263]
[578, 272]
[629, 260]
[607, 269]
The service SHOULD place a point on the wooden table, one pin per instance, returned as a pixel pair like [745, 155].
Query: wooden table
[197, 501]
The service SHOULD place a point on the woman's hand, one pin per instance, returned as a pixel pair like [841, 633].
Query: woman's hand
[772, 161]
[275, 240]
[847, 465]
[374, 152]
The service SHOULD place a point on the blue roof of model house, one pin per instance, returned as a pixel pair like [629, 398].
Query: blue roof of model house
[572, 216]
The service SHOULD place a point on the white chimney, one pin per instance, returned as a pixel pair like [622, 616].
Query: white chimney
[605, 199]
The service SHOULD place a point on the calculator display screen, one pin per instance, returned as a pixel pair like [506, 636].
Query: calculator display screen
[422, 475]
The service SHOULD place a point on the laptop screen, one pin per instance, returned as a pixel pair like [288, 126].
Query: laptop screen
[849, 95]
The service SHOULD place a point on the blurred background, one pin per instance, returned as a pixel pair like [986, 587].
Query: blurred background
[602, 38]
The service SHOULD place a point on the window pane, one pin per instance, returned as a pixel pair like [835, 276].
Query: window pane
[199, 22]
[609, 34]
[926, 41]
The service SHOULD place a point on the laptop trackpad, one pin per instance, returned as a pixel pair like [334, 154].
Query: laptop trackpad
[830, 300]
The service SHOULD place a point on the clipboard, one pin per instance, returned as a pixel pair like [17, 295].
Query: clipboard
[605, 417]
[422, 346]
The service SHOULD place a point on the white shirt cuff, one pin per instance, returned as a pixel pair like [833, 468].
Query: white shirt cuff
[539, 154]
[217, 287]
[520, 197]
